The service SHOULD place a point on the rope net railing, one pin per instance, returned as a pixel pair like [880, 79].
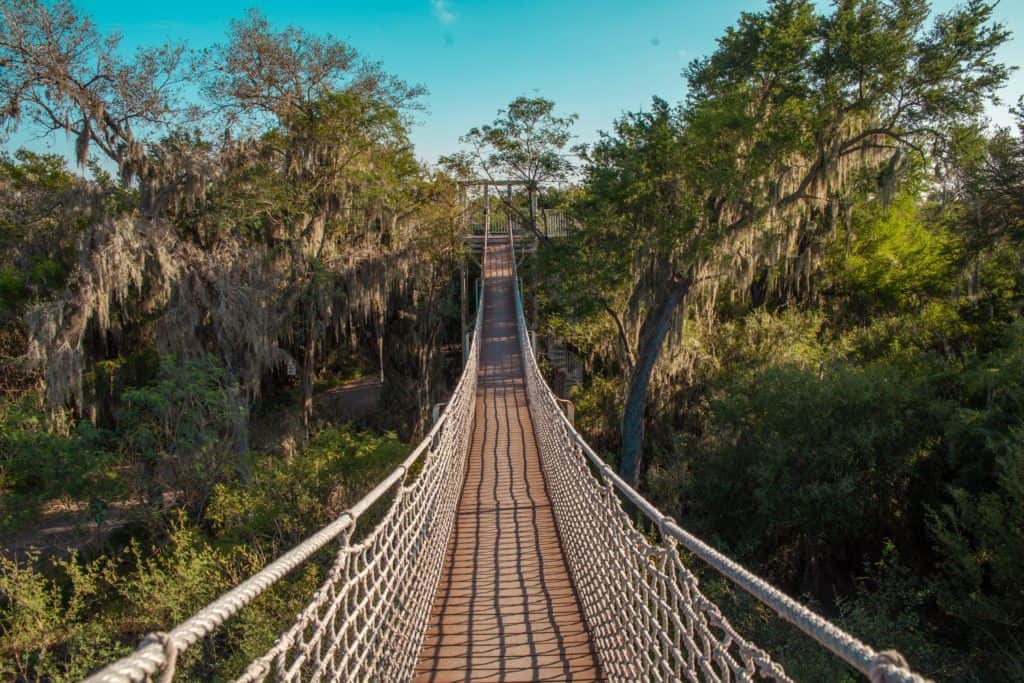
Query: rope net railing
[367, 620]
[647, 616]
[645, 613]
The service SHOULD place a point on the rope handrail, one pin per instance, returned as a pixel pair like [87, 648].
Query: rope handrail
[887, 666]
[156, 656]
[646, 615]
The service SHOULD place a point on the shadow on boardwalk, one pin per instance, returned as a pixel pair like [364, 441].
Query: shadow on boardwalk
[505, 607]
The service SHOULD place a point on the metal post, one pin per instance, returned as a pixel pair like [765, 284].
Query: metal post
[463, 304]
[487, 209]
[536, 246]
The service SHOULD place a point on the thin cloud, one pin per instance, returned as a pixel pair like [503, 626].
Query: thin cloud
[443, 11]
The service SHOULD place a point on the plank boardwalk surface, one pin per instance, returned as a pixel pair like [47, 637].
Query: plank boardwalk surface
[505, 608]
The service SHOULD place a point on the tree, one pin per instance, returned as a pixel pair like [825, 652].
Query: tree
[635, 211]
[524, 143]
[262, 72]
[179, 432]
[991, 187]
[60, 73]
[42, 213]
[785, 118]
[255, 221]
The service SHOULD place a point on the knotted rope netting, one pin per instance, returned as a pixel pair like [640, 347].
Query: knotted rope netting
[646, 614]
[644, 610]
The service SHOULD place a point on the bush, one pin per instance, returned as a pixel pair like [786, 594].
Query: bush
[62, 619]
[61, 624]
[980, 539]
[180, 432]
[807, 472]
[41, 459]
[286, 499]
[598, 410]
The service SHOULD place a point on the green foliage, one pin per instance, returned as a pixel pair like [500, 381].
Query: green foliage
[597, 408]
[63, 623]
[180, 430]
[895, 262]
[39, 223]
[809, 471]
[937, 326]
[980, 540]
[283, 499]
[11, 289]
[40, 460]
[61, 619]
[812, 436]
[524, 142]
[883, 608]
[860, 446]
[760, 340]
[887, 608]
[994, 184]
[580, 282]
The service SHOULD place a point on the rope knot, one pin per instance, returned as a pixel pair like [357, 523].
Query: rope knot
[170, 648]
[663, 522]
[886, 664]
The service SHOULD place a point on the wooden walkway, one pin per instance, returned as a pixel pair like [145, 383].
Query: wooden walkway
[505, 609]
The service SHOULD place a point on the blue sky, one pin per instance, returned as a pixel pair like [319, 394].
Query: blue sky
[597, 58]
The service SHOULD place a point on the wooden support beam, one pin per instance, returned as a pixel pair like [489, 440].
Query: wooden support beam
[484, 182]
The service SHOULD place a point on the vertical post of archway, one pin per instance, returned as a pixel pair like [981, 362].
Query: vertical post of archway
[536, 248]
[463, 285]
[463, 304]
[487, 209]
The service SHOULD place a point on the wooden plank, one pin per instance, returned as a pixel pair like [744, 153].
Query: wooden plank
[505, 608]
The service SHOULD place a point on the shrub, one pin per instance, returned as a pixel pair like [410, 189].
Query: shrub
[285, 499]
[41, 459]
[179, 431]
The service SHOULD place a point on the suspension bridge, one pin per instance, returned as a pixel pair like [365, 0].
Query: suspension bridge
[506, 553]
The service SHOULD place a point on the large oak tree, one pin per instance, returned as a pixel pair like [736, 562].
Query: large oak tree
[780, 122]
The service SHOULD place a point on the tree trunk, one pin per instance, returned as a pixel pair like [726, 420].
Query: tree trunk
[308, 368]
[241, 429]
[652, 335]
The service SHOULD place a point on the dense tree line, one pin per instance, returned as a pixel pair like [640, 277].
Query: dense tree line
[247, 227]
[809, 322]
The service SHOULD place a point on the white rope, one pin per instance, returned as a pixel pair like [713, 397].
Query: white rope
[645, 612]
